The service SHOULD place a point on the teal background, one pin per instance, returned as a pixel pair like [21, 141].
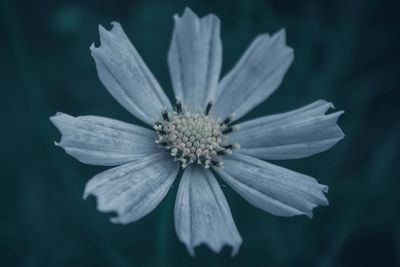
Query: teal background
[346, 52]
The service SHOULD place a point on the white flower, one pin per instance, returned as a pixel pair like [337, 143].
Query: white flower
[197, 134]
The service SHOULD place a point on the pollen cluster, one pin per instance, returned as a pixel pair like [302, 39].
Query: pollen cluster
[193, 137]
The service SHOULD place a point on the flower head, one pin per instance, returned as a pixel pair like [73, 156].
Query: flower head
[195, 137]
[198, 132]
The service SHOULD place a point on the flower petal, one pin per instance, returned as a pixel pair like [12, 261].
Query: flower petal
[296, 134]
[126, 76]
[202, 214]
[133, 190]
[273, 189]
[257, 75]
[195, 58]
[103, 141]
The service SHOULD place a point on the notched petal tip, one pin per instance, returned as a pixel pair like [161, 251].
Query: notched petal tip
[56, 116]
[323, 202]
[102, 32]
[325, 105]
[234, 248]
[176, 18]
[189, 15]
[325, 189]
[58, 113]
[212, 16]
[262, 37]
[281, 36]
[92, 47]
[116, 28]
[106, 34]
[101, 203]
[191, 251]
[87, 192]
[335, 115]
[58, 119]
[189, 12]
[115, 25]
[339, 113]
[118, 220]
[310, 214]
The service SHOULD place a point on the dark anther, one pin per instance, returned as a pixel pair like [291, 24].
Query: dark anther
[208, 108]
[165, 115]
[216, 163]
[222, 152]
[164, 143]
[178, 107]
[227, 121]
[157, 123]
[227, 130]
[202, 159]
[230, 146]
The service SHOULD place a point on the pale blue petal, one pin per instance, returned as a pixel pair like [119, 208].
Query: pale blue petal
[202, 214]
[102, 141]
[256, 76]
[291, 135]
[273, 189]
[195, 58]
[133, 190]
[126, 76]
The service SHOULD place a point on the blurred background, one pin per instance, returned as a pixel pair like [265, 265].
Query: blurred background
[346, 52]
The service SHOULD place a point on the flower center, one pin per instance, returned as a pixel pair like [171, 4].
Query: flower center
[194, 137]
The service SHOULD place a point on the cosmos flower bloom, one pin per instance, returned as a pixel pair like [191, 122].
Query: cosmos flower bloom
[198, 133]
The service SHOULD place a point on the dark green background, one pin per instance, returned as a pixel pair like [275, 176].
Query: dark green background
[346, 52]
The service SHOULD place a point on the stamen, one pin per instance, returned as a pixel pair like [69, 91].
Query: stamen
[163, 143]
[178, 105]
[224, 152]
[228, 120]
[164, 113]
[174, 151]
[208, 108]
[231, 129]
[158, 126]
[218, 164]
[207, 164]
[231, 146]
[187, 158]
